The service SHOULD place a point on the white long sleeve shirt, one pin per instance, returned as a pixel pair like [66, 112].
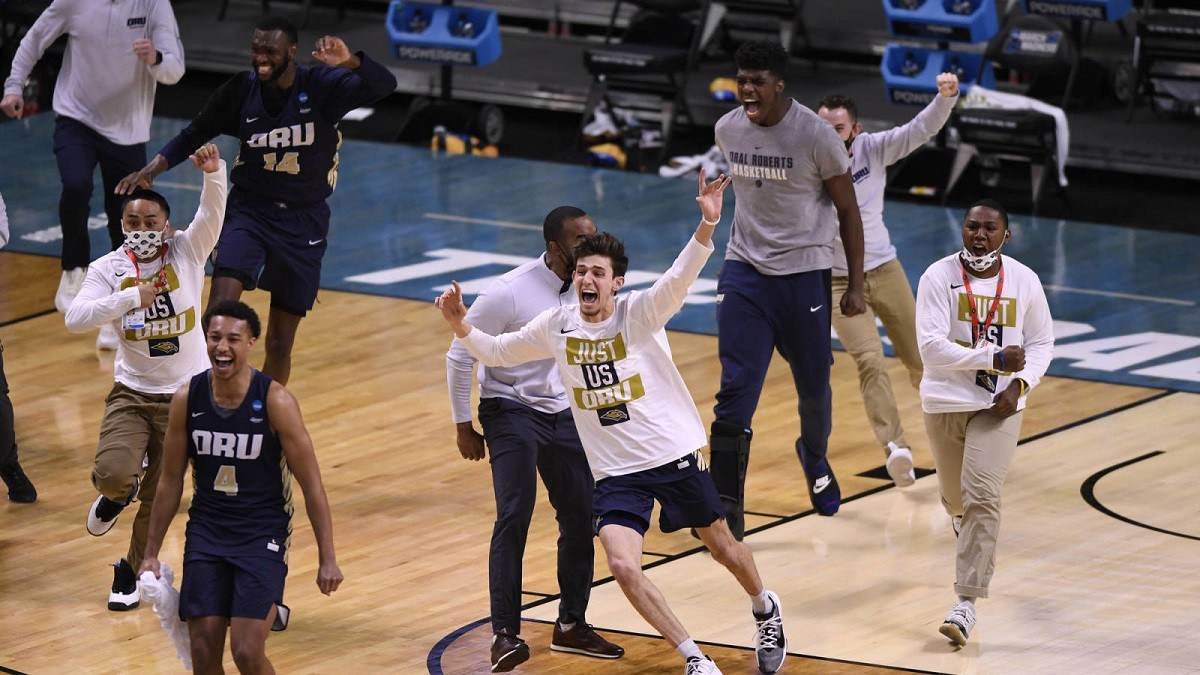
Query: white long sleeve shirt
[951, 381]
[871, 155]
[631, 407]
[164, 354]
[103, 84]
[506, 306]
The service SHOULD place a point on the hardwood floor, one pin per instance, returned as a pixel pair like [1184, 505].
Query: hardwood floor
[412, 519]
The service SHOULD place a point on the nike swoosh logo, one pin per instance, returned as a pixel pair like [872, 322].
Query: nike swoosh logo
[813, 309]
[305, 111]
[250, 119]
[953, 286]
[564, 331]
[758, 147]
[197, 414]
[820, 484]
[314, 242]
[119, 274]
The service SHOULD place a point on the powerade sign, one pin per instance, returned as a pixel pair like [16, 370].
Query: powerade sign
[1069, 10]
[912, 96]
[450, 55]
[1035, 42]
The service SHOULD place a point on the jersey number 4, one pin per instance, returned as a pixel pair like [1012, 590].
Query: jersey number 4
[290, 163]
[226, 480]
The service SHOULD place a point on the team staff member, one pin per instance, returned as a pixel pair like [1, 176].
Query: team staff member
[986, 339]
[285, 116]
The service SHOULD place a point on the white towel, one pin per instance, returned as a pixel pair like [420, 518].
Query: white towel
[165, 599]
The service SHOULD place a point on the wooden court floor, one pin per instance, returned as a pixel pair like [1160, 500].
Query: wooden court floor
[412, 520]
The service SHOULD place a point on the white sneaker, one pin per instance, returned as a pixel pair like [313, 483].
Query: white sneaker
[900, 465]
[108, 338]
[701, 666]
[68, 288]
[959, 622]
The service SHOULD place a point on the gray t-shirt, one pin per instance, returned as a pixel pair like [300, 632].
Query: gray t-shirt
[783, 219]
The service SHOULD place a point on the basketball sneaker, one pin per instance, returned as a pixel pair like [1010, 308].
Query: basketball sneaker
[770, 643]
[124, 594]
[508, 652]
[959, 622]
[700, 665]
[68, 288]
[825, 494]
[581, 639]
[900, 465]
[103, 514]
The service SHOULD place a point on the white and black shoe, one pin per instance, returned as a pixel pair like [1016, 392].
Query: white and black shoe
[770, 643]
[959, 622]
[103, 514]
[700, 665]
[124, 594]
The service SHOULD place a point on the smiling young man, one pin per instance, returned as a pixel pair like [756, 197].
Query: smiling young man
[148, 291]
[528, 429]
[887, 291]
[986, 339]
[638, 423]
[285, 116]
[794, 195]
[244, 437]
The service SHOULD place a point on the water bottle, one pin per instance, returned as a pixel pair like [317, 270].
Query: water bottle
[464, 28]
[419, 22]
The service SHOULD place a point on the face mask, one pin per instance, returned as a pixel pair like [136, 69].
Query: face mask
[980, 263]
[144, 244]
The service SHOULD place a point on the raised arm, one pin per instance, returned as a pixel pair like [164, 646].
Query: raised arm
[288, 424]
[199, 239]
[358, 81]
[491, 312]
[897, 143]
[170, 482]
[509, 349]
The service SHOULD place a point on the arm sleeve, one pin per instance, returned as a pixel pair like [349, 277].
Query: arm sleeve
[48, 27]
[165, 36]
[349, 89]
[896, 144]
[937, 348]
[97, 304]
[655, 307]
[199, 239]
[219, 116]
[1038, 335]
[511, 349]
[3, 223]
[489, 313]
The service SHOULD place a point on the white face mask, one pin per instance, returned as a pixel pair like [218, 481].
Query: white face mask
[144, 243]
[980, 263]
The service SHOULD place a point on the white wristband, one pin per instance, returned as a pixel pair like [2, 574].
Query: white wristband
[710, 223]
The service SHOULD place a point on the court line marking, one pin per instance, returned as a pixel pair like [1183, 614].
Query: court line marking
[484, 221]
[1117, 294]
[1088, 492]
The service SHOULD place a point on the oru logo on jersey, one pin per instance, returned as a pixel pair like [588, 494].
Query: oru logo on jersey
[225, 444]
[285, 137]
[603, 389]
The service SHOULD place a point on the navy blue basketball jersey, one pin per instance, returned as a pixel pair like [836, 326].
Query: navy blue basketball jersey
[290, 157]
[242, 488]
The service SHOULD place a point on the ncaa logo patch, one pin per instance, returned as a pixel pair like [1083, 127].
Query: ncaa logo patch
[256, 405]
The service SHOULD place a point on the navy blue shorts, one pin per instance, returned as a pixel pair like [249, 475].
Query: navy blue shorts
[275, 246]
[243, 586]
[683, 488]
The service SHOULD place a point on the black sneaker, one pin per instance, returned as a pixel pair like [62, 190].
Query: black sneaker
[581, 639]
[20, 489]
[508, 652]
[124, 594]
[103, 514]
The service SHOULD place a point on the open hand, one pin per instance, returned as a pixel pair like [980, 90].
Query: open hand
[331, 51]
[711, 196]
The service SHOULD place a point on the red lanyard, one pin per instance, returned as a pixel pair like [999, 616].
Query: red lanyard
[978, 330]
[160, 283]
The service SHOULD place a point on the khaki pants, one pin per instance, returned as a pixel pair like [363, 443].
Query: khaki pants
[132, 431]
[972, 452]
[890, 297]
